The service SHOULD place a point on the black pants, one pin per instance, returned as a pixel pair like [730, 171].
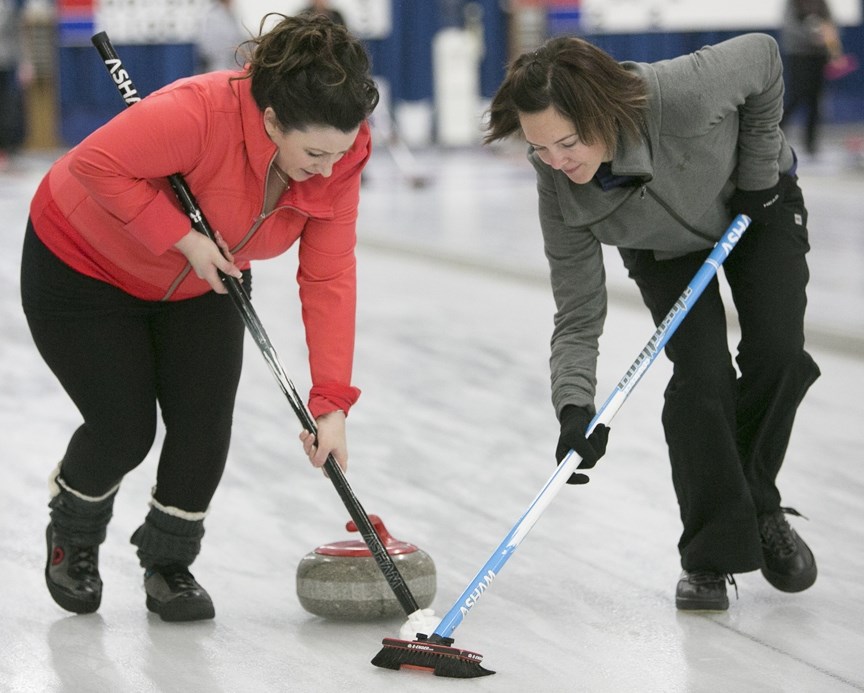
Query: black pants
[12, 116]
[806, 82]
[728, 431]
[118, 357]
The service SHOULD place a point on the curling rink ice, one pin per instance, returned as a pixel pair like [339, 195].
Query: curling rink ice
[452, 439]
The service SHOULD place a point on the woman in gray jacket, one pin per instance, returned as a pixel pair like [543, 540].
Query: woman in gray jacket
[657, 159]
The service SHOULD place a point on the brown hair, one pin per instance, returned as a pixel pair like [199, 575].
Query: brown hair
[311, 71]
[583, 83]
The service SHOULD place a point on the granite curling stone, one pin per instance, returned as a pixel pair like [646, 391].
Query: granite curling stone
[343, 581]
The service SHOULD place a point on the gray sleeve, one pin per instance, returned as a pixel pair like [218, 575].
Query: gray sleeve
[743, 74]
[579, 288]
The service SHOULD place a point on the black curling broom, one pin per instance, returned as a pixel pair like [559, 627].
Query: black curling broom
[435, 652]
[243, 303]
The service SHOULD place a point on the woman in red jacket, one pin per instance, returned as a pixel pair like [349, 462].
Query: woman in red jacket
[124, 301]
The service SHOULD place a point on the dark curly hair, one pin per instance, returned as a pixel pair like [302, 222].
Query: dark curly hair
[310, 71]
[583, 83]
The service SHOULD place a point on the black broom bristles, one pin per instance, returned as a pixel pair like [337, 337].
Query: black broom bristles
[423, 653]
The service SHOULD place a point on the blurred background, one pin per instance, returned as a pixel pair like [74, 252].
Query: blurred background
[456, 426]
[438, 61]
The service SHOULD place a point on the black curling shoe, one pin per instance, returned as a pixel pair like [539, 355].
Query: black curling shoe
[789, 562]
[175, 595]
[702, 590]
[72, 575]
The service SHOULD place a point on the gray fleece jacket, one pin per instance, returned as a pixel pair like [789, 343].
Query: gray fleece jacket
[712, 125]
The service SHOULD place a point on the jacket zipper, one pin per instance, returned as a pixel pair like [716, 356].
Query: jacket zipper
[695, 232]
[632, 192]
[256, 224]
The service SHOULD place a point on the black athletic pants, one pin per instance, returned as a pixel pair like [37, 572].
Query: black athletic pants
[12, 115]
[728, 431]
[805, 86]
[118, 357]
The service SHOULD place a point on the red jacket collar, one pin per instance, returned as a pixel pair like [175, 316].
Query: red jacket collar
[315, 196]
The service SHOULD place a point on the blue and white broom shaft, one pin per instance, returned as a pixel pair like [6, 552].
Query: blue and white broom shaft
[480, 583]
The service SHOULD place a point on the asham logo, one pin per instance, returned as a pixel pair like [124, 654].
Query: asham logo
[121, 79]
[733, 234]
[480, 588]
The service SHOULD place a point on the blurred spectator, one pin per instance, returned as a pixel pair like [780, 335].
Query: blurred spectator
[221, 34]
[809, 39]
[323, 7]
[16, 73]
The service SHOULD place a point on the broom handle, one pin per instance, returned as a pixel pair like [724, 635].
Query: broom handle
[556, 481]
[243, 303]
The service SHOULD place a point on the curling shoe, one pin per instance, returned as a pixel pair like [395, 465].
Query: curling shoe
[72, 575]
[175, 595]
[702, 590]
[789, 562]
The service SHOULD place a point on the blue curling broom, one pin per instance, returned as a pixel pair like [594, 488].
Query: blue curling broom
[435, 652]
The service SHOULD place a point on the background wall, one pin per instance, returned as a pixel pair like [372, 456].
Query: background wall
[155, 38]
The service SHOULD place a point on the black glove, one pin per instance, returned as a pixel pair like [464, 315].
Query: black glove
[574, 424]
[762, 206]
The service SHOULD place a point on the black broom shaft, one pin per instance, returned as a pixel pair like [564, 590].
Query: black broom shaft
[243, 303]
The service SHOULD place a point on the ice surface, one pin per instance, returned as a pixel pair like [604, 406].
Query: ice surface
[451, 440]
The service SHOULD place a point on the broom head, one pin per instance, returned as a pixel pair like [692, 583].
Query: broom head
[430, 653]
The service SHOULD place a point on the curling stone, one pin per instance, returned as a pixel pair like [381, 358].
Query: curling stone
[342, 580]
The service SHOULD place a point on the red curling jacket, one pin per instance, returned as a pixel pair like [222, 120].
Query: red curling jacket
[106, 209]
